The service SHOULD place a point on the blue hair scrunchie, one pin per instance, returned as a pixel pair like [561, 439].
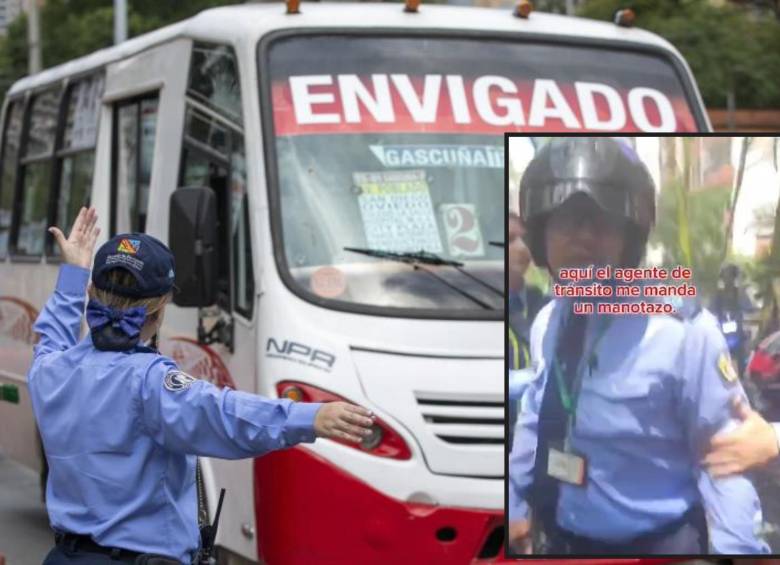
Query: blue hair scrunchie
[113, 329]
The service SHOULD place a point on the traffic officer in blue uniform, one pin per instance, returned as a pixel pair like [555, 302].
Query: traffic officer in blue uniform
[122, 425]
[607, 448]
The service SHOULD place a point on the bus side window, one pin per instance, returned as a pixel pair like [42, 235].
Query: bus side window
[32, 198]
[204, 167]
[243, 277]
[135, 131]
[76, 153]
[213, 156]
[10, 156]
[213, 80]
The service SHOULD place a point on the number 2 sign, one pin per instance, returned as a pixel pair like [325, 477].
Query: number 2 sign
[464, 237]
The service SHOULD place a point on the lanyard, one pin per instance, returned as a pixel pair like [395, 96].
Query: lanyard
[569, 399]
[517, 346]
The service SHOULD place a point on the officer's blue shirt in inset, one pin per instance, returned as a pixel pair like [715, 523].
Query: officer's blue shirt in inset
[121, 431]
[656, 396]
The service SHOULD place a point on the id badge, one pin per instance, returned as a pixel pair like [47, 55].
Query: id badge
[566, 467]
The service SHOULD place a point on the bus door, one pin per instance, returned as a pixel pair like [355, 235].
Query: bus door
[212, 155]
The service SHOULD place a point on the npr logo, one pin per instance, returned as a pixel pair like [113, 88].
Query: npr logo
[300, 353]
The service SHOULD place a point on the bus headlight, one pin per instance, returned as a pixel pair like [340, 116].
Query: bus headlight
[372, 441]
[383, 441]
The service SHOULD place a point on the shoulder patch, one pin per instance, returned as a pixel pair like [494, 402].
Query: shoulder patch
[727, 368]
[176, 381]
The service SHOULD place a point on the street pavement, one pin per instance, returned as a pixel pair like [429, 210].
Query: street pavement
[25, 537]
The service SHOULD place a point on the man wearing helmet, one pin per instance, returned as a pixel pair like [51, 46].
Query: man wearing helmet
[605, 458]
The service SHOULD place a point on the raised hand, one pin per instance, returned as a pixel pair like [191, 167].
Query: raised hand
[344, 421]
[79, 246]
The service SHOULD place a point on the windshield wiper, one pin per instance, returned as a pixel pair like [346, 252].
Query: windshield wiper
[426, 258]
[497, 243]
[418, 259]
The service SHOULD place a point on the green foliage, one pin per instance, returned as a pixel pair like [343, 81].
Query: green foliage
[73, 28]
[66, 35]
[726, 46]
[705, 226]
[13, 54]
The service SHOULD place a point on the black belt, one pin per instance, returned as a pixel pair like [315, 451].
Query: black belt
[643, 544]
[76, 542]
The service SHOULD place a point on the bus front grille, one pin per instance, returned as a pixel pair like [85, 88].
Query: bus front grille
[463, 420]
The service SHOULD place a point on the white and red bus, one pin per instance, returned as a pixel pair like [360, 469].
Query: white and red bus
[353, 156]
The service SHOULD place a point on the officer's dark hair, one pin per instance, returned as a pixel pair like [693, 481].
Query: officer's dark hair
[605, 169]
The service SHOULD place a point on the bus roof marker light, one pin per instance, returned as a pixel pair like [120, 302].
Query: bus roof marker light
[412, 6]
[624, 17]
[523, 9]
[293, 6]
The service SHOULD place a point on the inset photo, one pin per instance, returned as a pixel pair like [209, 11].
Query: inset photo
[643, 346]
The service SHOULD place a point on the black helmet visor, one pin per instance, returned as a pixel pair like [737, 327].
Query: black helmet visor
[605, 169]
[612, 199]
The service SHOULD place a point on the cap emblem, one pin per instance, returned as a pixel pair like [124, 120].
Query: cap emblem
[129, 246]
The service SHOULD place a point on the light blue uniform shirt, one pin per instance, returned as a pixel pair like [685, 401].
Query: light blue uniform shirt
[644, 417]
[121, 439]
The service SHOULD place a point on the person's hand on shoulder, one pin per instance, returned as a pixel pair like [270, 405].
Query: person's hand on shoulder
[78, 248]
[344, 421]
[753, 444]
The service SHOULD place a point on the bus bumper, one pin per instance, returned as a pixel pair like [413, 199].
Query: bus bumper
[310, 511]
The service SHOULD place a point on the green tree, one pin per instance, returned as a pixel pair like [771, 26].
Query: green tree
[73, 28]
[728, 48]
[705, 210]
[13, 53]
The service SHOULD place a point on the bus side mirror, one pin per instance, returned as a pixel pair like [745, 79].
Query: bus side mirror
[192, 234]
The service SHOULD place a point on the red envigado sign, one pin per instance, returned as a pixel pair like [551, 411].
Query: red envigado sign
[345, 103]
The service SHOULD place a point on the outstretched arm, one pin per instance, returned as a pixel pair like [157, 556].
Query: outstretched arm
[187, 415]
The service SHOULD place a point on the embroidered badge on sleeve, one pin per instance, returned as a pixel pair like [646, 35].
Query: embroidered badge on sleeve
[176, 381]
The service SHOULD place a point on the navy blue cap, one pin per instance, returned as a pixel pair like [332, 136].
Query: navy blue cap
[148, 259]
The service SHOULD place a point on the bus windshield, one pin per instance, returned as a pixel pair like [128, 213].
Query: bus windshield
[387, 177]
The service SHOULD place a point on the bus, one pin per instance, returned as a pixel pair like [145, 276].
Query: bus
[332, 184]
